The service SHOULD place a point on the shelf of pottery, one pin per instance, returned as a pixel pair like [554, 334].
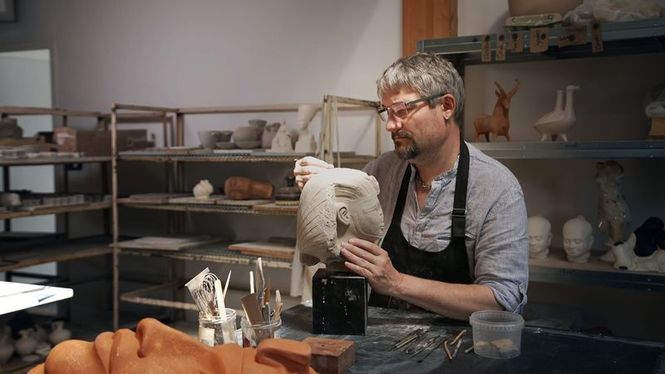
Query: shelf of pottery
[19, 150]
[572, 160]
[235, 169]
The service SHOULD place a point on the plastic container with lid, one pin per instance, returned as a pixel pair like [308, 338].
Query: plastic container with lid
[496, 334]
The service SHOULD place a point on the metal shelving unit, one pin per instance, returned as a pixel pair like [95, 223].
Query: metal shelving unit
[176, 156]
[574, 150]
[620, 38]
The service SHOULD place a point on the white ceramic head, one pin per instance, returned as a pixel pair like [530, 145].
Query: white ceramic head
[336, 205]
[577, 239]
[540, 236]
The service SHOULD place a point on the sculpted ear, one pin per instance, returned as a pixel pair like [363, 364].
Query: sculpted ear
[343, 218]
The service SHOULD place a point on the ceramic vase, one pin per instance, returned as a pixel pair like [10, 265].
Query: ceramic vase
[59, 332]
[6, 349]
[26, 344]
[269, 134]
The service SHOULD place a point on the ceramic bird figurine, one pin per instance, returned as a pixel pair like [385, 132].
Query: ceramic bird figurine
[557, 122]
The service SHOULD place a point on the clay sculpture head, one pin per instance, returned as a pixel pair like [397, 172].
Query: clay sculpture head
[540, 236]
[577, 239]
[336, 205]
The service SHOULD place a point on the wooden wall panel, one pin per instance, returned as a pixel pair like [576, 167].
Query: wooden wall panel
[427, 19]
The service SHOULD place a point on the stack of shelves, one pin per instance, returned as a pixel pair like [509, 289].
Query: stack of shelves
[621, 38]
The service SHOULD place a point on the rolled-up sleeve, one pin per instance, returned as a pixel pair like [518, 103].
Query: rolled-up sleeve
[502, 252]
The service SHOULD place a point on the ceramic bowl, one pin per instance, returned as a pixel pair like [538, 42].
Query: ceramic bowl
[248, 144]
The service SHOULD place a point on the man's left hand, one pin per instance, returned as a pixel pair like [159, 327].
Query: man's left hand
[372, 262]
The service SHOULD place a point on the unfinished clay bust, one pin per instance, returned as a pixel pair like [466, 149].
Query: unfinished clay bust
[336, 205]
[202, 190]
[540, 236]
[577, 239]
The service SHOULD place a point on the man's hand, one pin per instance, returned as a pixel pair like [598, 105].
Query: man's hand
[372, 262]
[307, 167]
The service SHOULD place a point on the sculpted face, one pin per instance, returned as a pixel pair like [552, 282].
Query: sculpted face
[336, 205]
[577, 239]
[540, 236]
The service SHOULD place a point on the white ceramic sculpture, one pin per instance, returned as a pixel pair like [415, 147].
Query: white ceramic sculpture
[282, 142]
[306, 142]
[540, 236]
[626, 259]
[26, 344]
[58, 332]
[336, 205]
[202, 190]
[557, 122]
[577, 239]
[613, 212]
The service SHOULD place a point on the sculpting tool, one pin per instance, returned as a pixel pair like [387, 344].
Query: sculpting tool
[251, 282]
[226, 285]
[433, 347]
[409, 338]
[219, 296]
[458, 336]
[459, 343]
[445, 348]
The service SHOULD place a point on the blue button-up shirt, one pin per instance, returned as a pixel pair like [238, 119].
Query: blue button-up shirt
[496, 228]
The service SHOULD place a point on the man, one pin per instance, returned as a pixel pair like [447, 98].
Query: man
[457, 233]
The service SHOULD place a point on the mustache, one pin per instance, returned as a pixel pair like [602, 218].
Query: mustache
[401, 134]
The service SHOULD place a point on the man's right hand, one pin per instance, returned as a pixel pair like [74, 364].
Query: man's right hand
[307, 167]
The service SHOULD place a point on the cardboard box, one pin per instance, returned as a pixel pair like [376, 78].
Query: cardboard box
[97, 142]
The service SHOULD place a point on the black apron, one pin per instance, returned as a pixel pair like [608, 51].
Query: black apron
[450, 265]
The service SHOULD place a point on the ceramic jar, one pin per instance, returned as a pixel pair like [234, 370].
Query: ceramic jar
[58, 332]
[27, 343]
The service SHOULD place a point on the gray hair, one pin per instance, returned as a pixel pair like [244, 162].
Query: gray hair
[425, 73]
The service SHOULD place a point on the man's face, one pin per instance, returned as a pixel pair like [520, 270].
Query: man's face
[420, 131]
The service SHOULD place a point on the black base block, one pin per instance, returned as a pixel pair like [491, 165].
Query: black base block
[339, 303]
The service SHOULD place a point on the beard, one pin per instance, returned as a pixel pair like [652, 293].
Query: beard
[405, 149]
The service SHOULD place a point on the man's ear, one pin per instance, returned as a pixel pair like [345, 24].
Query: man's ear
[448, 105]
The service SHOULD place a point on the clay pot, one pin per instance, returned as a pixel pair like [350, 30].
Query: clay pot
[6, 349]
[242, 188]
[258, 123]
[268, 134]
[59, 332]
[208, 139]
[26, 343]
[248, 137]
[224, 136]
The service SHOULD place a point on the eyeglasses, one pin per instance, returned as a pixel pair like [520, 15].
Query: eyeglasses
[401, 109]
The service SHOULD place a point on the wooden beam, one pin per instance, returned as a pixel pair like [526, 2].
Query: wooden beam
[427, 19]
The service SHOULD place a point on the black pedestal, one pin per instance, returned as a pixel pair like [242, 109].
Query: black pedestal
[339, 303]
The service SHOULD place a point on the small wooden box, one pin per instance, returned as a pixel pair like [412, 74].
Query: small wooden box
[331, 356]
[97, 142]
[657, 128]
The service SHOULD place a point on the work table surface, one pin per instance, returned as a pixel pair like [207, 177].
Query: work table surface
[543, 350]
